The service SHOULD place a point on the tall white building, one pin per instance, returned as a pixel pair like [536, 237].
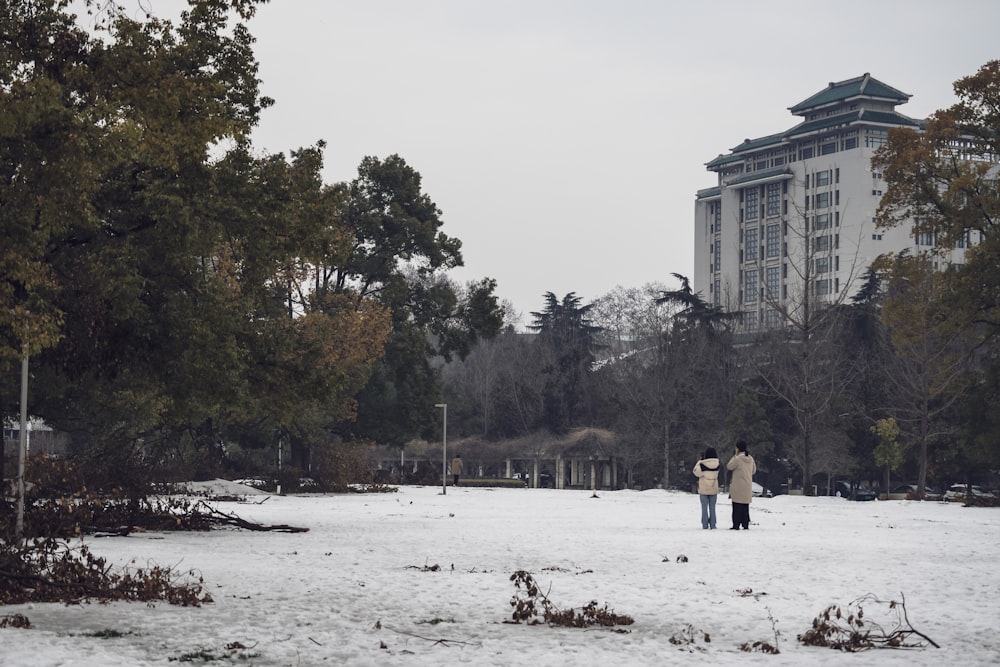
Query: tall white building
[794, 211]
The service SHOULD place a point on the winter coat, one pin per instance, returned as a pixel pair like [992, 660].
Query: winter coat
[707, 472]
[741, 484]
[456, 466]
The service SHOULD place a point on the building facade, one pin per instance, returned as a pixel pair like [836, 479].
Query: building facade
[791, 217]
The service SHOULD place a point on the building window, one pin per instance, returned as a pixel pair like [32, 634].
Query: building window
[822, 200]
[715, 295]
[750, 286]
[750, 244]
[774, 199]
[773, 240]
[875, 138]
[822, 178]
[752, 205]
[772, 282]
[828, 148]
[876, 237]
[821, 221]
[718, 254]
[821, 244]
[850, 143]
[772, 318]
[822, 286]
[806, 153]
[822, 265]
[925, 238]
[718, 216]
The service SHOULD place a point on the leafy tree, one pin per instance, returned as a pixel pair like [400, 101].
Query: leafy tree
[396, 256]
[693, 378]
[105, 142]
[889, 452]
[173, 301]
[567, 334]
[944, 180]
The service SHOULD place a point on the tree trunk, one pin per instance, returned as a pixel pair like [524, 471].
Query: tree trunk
[666, 456]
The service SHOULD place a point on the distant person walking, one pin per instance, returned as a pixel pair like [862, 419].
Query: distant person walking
[707, 472]
[456, 469]
[741, 485]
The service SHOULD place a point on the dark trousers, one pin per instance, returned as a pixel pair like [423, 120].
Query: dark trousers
[741, 515]
[454, 480]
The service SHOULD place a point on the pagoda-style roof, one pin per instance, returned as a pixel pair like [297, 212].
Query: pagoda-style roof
[863, 86]
[754, 144]
[723, 160]
[769, 175]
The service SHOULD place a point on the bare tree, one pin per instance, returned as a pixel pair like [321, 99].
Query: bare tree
[799, 356]
[933, 350]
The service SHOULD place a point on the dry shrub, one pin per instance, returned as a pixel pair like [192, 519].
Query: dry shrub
[525, 608]
[852, 630]
[337, 466]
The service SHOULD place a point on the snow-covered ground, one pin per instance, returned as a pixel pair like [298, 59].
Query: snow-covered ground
[360, 588]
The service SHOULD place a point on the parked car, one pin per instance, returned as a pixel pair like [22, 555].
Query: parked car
[959, 492]
[909, 492]
[760, 492]
[851, 491]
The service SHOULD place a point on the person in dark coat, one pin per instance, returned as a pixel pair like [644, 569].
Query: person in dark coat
[456, 469]
[741, 485]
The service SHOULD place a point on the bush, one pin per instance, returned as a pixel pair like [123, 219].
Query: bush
[497, 482]
[339, 465]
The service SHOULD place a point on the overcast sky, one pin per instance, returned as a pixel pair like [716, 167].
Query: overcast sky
[564, 140]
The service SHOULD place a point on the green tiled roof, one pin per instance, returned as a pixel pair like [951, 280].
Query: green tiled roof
[723, 160]
[760, 176]
[859, 117]
[823, 123]
[753, 144]
[708, 193]
[886, 118]
[862, 86]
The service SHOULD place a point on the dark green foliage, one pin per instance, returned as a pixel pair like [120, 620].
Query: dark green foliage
[567, 334]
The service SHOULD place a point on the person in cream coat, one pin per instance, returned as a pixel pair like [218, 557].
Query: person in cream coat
[707, 472]
[741, 485]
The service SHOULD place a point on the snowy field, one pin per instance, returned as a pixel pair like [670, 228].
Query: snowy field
[360, 588]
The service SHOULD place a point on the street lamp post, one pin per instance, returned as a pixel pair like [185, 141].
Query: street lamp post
[22, 447]
[444, 450]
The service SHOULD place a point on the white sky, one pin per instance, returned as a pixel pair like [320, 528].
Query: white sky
[354, 589]
[564, 140]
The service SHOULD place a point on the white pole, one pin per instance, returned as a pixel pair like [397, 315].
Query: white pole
[278, 486]
[444, 450]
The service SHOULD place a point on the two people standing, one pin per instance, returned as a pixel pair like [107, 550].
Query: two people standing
[743, 468]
